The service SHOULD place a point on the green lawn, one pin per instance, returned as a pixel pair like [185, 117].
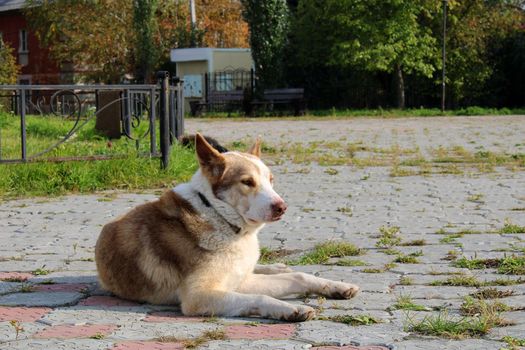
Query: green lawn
[129, 171]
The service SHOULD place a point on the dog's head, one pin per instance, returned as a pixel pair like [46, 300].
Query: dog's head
[242, 180]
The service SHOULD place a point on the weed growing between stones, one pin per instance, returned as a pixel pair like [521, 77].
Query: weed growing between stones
[404, 302]
[270, 256]
[389, 237]
[509, 227]
[416, 242]
[409, 258]
[444, 325]
[473, 307]
[324, 251]
[492, 293]
[510, 265]
[41, 271]
[217, 334]
[513, 343]
[350, 262]
[406, 281]
[355, 320]
[17, 327]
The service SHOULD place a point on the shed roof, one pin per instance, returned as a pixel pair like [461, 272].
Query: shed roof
[9, 5]
[198, 53]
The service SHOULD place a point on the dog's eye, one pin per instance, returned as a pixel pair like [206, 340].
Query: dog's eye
[248, 182]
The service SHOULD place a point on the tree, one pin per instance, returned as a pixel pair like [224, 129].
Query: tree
[222, 23]
[113, 38]
[8, 68]
[477, 27]
[383, 36]
[144, 25]
[268, 21]
[92, 35]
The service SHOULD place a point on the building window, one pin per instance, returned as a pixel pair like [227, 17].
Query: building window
[23, 49]
[23, 41]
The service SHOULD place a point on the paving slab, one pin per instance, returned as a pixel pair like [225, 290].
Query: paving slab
[325, 203]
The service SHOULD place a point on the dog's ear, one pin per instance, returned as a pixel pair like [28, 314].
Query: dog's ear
[256, 148]
[212, 162]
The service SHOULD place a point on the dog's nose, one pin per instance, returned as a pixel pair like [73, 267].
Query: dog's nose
[278, 208]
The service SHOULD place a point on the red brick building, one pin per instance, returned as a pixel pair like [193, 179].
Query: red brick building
[36, 65]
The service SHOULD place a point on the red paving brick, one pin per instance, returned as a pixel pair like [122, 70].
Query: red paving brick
[106, 301]
[22, 314]
[70, 331]
[23, 276]
[68, 287]
[147, 345]
[263, 331]
[351, 347]
[170, 316]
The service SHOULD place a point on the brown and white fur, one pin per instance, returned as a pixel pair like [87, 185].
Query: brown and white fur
[197, 245]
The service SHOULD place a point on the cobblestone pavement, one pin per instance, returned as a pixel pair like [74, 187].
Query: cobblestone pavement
[50, 299]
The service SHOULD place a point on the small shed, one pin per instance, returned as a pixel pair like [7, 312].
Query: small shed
[193, 63]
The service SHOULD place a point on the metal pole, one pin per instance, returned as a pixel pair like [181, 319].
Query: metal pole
[444, 56]
[152, 123]
[23, 122]
[163, 78]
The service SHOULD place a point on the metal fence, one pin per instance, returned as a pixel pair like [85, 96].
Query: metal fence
[132, 105]
[219, 85]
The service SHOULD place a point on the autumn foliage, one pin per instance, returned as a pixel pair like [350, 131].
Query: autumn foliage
[97, 37]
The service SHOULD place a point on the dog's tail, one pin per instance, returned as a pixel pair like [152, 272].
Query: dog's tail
[189, 141]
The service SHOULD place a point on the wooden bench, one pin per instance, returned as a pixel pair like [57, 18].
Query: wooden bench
[293, 97]
[229, 99]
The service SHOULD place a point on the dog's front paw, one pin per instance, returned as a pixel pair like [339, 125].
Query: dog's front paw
[272, 269]
[340, 290]
[281, 268]
[300, 314]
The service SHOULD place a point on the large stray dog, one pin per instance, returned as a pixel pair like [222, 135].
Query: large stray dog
[197, 245]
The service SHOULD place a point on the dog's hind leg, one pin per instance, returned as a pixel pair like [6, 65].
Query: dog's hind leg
[222, 303]
[281, 285]
[271, 269]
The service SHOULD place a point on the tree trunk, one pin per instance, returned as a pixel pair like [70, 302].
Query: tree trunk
[400, 88]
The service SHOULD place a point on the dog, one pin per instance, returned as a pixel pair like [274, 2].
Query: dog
[197, 245]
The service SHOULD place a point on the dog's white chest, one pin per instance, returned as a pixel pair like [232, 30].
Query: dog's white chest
[240, 260]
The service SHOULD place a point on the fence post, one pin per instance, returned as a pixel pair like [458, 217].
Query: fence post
[180, 107]
[164, 115]
[23, 122]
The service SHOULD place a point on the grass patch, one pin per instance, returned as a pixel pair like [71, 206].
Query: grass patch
[416, 242]
[405, 303]
[389, 237]
[41, 271]
[466, 281]
[359, 320]
[513, 343]
[324, 251]
[52, 179]
[476, 264]
[350, 262]
[406, 259]
[193, 343]
[509, 227]
[492, 293]
[510, 265]
[446, 326]
[473, 306]
[406, 281]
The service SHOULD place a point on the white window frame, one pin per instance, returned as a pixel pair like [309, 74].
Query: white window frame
[24, 41]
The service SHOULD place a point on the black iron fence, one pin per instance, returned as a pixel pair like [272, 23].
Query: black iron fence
[119, 111]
